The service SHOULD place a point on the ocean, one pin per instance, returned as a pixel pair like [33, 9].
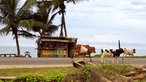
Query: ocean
[33, 51]
[8, 49]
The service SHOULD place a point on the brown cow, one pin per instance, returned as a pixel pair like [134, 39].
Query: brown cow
[84, 50]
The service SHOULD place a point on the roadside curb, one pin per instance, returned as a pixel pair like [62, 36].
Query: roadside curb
[33, 66]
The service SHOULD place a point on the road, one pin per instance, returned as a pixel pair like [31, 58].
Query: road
[58, 62]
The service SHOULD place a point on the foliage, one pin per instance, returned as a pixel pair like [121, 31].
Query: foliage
[83, 74]
[11, 15]
[31, 78]
[95, 73]
[87, 73]
[55, 76]
[107, 68]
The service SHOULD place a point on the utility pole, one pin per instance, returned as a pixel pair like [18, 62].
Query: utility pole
[119, 44]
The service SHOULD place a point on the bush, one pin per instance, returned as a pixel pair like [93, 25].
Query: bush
[99, 73]
[31, 78]
[56, 76]
[48, 77]
[83, 74]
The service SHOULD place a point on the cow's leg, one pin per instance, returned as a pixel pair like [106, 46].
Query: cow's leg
[117, 61]
[113, 60]
[90, 57]
[102, 58]
[73, 55]
[78, 55]
[123, 59]
[84, 56]
[127, 56]
[133, 56]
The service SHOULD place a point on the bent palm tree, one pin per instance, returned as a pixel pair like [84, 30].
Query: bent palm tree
[11, 15]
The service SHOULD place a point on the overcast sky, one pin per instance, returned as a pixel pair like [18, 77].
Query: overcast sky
[101, 23]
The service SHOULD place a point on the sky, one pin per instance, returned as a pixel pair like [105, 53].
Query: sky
[101, 23]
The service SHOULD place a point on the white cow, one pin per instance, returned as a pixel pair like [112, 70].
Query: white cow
[105, 52]
[129, 53]
[110, 52]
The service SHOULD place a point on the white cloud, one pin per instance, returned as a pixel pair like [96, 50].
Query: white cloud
[103, 21]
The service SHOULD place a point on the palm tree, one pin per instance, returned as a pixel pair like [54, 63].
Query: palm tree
[45, 10]
[60, 4]
[42, 15]
[11, 15]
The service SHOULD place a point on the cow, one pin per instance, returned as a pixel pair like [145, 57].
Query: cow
[105, 52]
[110, 52]
[84, 50]
[129, 52]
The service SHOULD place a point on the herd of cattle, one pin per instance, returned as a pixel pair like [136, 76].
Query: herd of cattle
[84, 50]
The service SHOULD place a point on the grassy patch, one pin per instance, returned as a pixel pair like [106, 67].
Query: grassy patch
[95, 73]
[87, 73]
[96, 56]
[99, 56]
[139, 56]
[19, 71]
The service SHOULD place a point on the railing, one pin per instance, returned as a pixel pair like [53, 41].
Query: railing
[7, 55]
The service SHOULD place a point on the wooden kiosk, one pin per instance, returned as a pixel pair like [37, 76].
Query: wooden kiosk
[50, 46]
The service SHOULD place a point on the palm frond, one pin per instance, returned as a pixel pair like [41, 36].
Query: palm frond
[27, 4]
[52, 29]
[5, 30]
[26, 15]
[52, 18]
[74, 1]
[56, 4]
[44, 10]
[1, 18]
[28, 24]
[26, 34]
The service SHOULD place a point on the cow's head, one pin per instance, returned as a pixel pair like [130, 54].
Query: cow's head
[134, 50]
[93, 49]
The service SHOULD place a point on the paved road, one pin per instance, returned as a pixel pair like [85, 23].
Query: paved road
[57, 62]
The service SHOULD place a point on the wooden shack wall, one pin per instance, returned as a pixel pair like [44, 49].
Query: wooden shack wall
[55, 48]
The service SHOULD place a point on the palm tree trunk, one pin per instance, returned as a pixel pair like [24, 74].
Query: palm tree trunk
[17, 44]
[61, 31]
[64, 25]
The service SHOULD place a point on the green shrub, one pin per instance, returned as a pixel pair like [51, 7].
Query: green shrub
[48, 77]
[31, 78]
[118, 68]
[56, 76]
